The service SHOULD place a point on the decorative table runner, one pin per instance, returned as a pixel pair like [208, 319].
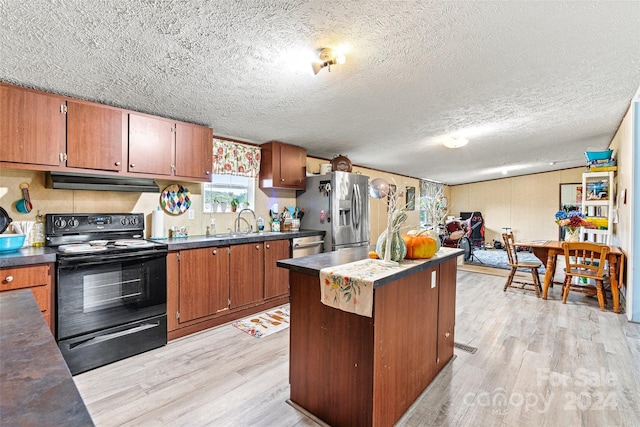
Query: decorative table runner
[349, 287]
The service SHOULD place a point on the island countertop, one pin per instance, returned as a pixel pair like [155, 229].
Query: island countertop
[312, 265]
[36, 387]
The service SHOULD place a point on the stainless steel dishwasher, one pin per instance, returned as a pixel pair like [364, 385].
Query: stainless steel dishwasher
[304, 246]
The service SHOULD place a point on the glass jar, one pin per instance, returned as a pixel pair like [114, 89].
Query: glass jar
[38, 232]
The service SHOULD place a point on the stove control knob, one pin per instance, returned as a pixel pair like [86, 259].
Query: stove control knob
[60, 223]
[133, 220]
[74, 223]
[124, 221]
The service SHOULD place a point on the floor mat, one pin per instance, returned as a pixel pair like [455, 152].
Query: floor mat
[266, 323]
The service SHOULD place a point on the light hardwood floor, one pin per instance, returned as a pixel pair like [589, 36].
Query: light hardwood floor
[553, 365]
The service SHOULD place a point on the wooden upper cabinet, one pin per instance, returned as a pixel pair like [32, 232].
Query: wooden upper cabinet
[95, 136]
[293, 166]
[283, 166]
[194, 151]
[42, 131]
[32, 126]
[151, 148]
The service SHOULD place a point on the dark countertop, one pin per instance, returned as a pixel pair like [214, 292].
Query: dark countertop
[36, 387]
[27, 256]
[221, 239]
[312, 264]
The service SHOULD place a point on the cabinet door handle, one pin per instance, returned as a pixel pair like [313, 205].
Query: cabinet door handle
[258, 247]
[447, 335]
[117, 163]
[133, 165]
[9, 279]
[268, 246]
[215, 252]
[282, 179]
[206, 172]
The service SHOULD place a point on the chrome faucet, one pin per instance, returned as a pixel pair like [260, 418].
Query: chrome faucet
[236, 223]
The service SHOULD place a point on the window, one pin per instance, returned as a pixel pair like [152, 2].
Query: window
[433, 204]
[219, 194]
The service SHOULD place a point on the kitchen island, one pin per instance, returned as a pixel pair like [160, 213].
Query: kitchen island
[353, 370]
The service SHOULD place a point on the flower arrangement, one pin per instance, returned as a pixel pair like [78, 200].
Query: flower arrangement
[572, 220]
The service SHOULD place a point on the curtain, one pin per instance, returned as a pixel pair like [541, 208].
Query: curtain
[233, 158]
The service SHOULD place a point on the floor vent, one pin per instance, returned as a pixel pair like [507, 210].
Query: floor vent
[465, 347]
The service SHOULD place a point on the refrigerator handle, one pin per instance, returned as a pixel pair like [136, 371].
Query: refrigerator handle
[355, 206]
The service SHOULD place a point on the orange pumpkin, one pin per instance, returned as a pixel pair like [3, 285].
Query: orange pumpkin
[420, 246]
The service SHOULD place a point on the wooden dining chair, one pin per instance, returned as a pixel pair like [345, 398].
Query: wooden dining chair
[515, 264]
[585, 260]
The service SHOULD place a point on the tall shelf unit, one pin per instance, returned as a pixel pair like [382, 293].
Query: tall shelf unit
[598, 196]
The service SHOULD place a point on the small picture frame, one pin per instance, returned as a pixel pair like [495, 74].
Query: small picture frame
[411, 198]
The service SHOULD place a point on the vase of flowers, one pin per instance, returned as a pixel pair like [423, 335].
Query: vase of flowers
[572, 221]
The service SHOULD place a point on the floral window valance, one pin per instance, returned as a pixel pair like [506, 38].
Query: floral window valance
[233, 158]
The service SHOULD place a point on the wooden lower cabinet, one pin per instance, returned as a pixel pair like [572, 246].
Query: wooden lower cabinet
[446, 312]
[247, 274]
[276, 279]
[204, 282]
[38, 278]
[207, 287]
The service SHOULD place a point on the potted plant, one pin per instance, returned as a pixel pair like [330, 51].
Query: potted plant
[244, 203]
[215, 205]
[234, 204]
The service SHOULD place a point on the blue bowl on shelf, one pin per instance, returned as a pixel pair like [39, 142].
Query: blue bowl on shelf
[598, 155]
[11, 242]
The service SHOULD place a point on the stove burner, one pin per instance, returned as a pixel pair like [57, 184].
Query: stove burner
[80, 248]
[133, 243]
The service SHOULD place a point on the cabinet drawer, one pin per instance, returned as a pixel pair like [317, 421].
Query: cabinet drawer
[24, 277]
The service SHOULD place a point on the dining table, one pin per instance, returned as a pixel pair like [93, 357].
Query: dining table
[547, 252]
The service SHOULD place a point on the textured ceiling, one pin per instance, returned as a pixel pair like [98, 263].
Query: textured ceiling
[529, 83]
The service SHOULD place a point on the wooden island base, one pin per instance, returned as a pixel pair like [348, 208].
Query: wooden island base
[351, 370]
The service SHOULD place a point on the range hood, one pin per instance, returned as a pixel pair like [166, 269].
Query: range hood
[76, 181]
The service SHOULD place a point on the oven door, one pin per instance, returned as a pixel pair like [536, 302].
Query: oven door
[96, 292]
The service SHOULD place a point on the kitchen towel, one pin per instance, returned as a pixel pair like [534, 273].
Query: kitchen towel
[349, 287]
[157, 224]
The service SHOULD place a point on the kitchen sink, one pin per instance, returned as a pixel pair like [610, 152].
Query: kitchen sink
[234, 235]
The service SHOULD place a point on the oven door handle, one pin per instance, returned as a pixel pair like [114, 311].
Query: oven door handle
[97, 259]
[113, 335]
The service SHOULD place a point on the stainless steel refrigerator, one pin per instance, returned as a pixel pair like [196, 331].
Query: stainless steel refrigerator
[338, 204]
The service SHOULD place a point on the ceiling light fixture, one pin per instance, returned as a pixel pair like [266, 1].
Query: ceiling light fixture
[455, 142]
[328, 58]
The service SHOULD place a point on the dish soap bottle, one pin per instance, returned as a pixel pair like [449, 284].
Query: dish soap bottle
[260, 224]
[37, 234]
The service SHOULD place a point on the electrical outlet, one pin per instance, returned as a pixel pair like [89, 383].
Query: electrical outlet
[192, 214]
